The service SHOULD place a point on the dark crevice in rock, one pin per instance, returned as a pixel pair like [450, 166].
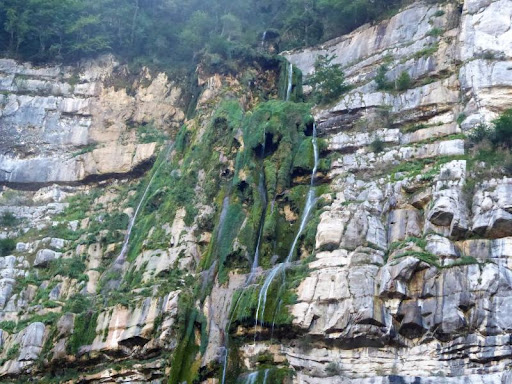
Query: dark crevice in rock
[137, 172]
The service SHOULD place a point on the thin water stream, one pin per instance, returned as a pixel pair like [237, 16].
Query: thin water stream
[122, 255]
[310, 203]
[290, 82]
[262, 297]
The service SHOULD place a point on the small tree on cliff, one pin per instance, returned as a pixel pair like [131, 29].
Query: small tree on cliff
[328, 81]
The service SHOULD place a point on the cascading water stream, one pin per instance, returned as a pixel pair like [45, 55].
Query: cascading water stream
[255, 262]
[310, 202]
[263, 38]
[263, 194]
[252, 377]
[122, 255]
[222, 217]
[290, 82]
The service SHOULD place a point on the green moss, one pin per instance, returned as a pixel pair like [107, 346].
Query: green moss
[227, 232]
[267, 372]
[77, 303]
[435, 32]
[149, 133]
[184, 365]
[423, 256]
[304, 158]
[8, 325]
[47, 319]
[86, 149]
[297, 92]
[426, 52]
[280, 296]
[84, 331]
[13, 352]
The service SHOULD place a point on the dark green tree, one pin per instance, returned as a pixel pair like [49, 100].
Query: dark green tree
[328, 81]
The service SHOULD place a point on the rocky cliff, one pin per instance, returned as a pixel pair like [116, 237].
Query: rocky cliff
[138, 249]
[69, 124]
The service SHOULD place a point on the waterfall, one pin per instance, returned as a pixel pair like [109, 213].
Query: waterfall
[122, 255]
[253, 377]
[263, 38]
[255, 262]
[222, 217]
[290, 80]
[263, 194]
[265, 376]
[310, 203]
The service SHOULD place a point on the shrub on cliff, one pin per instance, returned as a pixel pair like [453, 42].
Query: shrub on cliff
[492, 144]
[403, 82]
[503, 129]
[500, 134]
[7, 246]
[328, 81]
[382, 81]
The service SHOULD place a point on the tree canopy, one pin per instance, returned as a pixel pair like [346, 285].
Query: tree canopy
[172, 32]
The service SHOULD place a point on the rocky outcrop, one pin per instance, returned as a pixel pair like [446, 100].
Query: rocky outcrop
[405, 271]
[411, 280]
[69, 124]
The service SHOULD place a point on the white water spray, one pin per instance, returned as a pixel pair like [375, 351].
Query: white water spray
[263, 38]
[290, 80]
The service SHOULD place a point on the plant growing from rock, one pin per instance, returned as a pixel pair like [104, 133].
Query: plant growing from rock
[333, 369]
[8, 219]
[382, 81]
[403, 82]
[7, 246]
[377, 145]
[328, 81]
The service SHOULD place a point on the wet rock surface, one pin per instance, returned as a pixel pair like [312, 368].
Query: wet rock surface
[408, 278]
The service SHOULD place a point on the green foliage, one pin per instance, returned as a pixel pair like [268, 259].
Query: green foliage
[148, 133]
[435, 32]
[7, 219]
[333, 369]
[280, 295]
[492, 144]
[73, 268]
[13, 352]
[377, 145]
[461, 117]
[8, 325]
[480, 133]
[47, 319]
[503, 129]
[79, 206]
[86, 149]
[169, 33]
[403, 82]
[77, 303]
[426, 52]
[328, 81]
[7, 246]
[382, 82]
[84, 331]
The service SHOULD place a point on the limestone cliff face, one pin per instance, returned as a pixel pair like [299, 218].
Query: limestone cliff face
[67, 124]
[374, 305]
[405, 269]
